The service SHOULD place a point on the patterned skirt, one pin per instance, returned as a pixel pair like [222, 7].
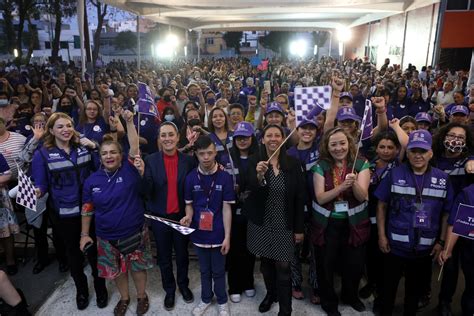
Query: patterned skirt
[111, 263]
[8, 220]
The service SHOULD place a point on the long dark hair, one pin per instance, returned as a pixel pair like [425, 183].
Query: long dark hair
[438, 141]
[235, 152]
[282, 156]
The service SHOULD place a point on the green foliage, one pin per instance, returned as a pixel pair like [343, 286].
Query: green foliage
[232, 39]
[277, 41]
[126, 40]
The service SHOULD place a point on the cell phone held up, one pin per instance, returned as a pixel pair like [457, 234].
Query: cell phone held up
[87, 248]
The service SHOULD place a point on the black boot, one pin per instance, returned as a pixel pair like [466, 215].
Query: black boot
[267, 303]
[102, 296]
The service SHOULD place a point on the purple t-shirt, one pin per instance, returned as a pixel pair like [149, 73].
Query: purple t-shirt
[118, 207]
[196, 192]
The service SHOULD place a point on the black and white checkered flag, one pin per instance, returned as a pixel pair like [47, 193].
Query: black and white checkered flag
[306, 98]
[180, 228]
[26, 191]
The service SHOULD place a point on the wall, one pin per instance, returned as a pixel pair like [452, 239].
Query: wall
[386, 38]
[458, 30]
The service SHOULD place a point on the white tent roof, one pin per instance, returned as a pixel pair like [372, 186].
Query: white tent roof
[301, 15]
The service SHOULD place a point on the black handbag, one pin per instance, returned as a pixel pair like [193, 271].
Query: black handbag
[127, 245]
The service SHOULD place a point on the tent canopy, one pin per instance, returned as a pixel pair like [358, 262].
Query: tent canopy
[241, 15]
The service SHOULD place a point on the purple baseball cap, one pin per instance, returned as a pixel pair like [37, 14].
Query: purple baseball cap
[345, 95]
[423, 117]
[244, 129]
[305, 122]
[419, 139]
[461, 109]
[274, 107]
[347, 113]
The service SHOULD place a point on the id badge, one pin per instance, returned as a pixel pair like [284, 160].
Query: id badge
[341, 206]
[422, 218]
[206, 220]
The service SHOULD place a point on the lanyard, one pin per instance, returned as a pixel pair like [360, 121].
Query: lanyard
[208, 191]
[417, 188]
[339, 175]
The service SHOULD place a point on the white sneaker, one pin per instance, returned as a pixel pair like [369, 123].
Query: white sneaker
[200, 308]
[235, 298]
[250, 293]
[224, 310]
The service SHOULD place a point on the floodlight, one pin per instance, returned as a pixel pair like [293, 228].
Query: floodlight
[344, 33]
[298, 47]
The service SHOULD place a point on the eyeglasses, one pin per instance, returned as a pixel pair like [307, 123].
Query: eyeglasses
[455, 137]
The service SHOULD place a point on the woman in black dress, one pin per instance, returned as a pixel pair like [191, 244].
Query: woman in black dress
[274, 210]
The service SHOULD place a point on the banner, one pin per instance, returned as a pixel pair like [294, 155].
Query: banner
[366, 126]
[464, 221]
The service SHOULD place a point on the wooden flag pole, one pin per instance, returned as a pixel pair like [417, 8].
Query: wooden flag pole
[445, 251]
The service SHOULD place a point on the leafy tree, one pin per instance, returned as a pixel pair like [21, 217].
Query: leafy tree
[101, 14]
[6, 8]
[232, 39]
[277, 41]
[126, 40]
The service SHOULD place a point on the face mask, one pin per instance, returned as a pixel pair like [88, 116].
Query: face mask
[211, 101]
[25, 115]
[169, 117]
[3, 102]
[194, 122]
[167, 98]
[454, 146]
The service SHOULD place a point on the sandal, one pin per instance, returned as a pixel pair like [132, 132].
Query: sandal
[121, 307]
[143, 305]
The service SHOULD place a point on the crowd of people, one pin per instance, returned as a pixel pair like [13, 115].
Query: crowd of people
[225, 155]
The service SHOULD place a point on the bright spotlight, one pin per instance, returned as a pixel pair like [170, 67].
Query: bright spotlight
[15, 53]
[315, 50]
[172, 40]
[344, 33]
[298, 47]
[341, 48]
[163, 50]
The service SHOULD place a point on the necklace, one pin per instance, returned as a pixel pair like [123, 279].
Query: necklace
[107, 174]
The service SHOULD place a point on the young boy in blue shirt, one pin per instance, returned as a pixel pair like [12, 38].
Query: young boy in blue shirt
[208, 193]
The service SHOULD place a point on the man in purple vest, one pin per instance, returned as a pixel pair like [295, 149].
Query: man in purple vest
[414, 202]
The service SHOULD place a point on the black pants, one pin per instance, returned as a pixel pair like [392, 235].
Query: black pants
[415, 271]
[374, 264]
[240, 262]
[467, 264]
[41, 238]
[167, 238]
[277, 278]
[70, 232]
[450, 277]
[338, 253]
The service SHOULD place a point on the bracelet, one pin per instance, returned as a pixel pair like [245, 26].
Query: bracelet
[337, 96]
[84, 234]
[441, 242]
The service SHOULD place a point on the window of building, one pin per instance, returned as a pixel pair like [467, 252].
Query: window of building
[64, 45]
[209, 41]
[47, 45]
[458, 5]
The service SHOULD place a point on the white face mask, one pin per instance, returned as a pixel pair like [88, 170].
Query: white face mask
[169, 117]
[3, 102]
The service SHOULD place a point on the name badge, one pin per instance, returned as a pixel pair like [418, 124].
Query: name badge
[341, 206]
[422, 218]
[206, 220]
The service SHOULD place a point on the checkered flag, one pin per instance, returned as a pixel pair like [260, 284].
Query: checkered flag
[26, 191]
[306, 98]
[180, 228]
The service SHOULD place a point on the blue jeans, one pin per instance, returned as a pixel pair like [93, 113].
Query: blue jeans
[212, 266]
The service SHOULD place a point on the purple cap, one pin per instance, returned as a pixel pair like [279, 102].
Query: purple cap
[459, 109]
[345, 95]
[274, 107]
[244, 129]
[347, 113]
[419, 139]
[423, 117]
[305, 122]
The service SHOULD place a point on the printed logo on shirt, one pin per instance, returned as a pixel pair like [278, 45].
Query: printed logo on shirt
[119, 180]
[218, 187]
[96, 190]
[434, 180]
[197, 187]
[54, 156]
[97, 129]
[402, 182]
[442, 181]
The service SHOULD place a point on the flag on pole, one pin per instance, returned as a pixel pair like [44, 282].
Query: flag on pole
[366, 126]
[464, 221]
[26, 195]
[180, 228]
[310, 101]
[146, 103]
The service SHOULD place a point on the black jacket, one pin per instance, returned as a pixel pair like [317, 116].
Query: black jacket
[155, 182]
[254, 207]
